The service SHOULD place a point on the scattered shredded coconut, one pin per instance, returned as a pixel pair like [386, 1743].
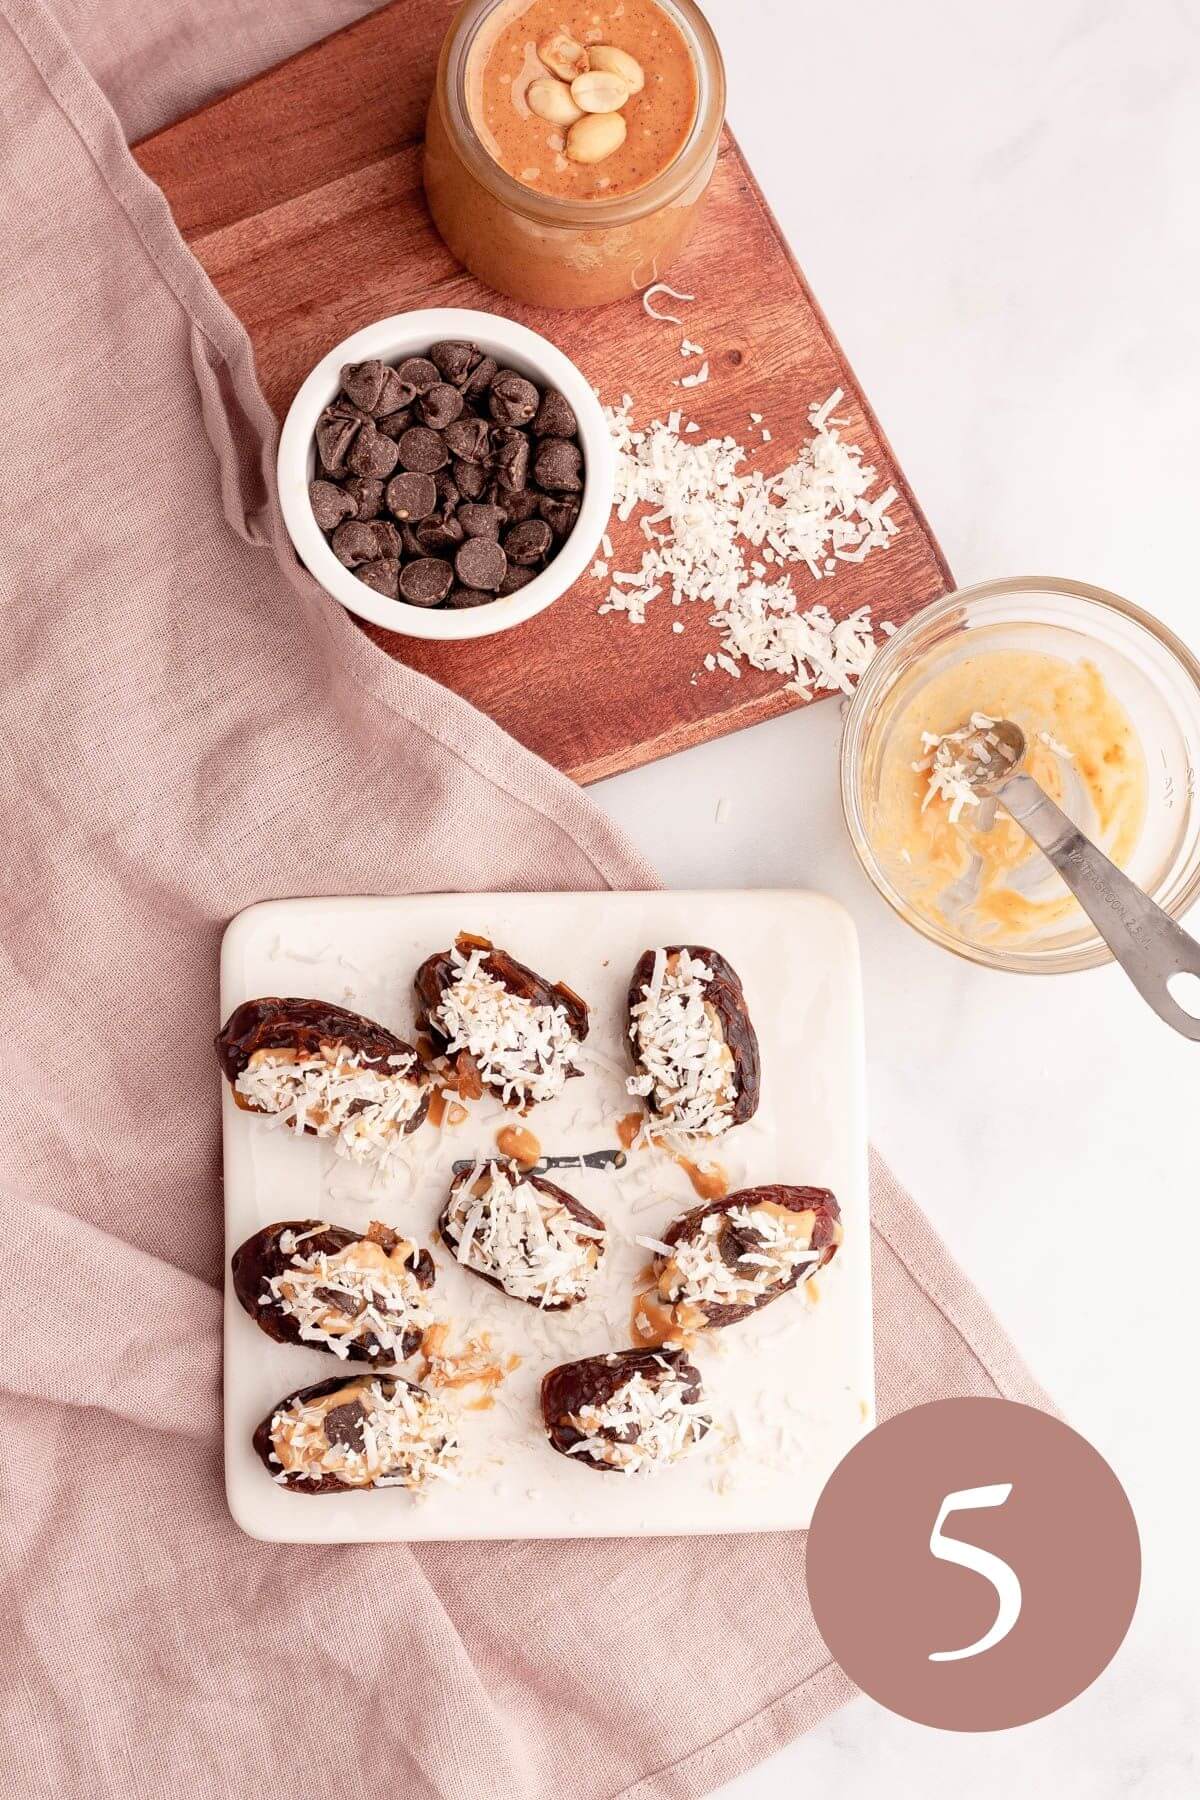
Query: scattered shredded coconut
[1052, 743]
[652, 293]
[528, 1242]
[703, 507]
[361, 1107]
[696, 380]
[680, 1049]
[521, 1050]
[645, 1424]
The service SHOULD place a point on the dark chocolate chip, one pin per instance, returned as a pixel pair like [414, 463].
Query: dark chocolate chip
[561, 515]
[330, 504]
[513, 400]
[481, 521]
[426, 582]
[394, 425]
[441, 405]
[555, 416]
[411, 496]
[461, 598]
[454, 361]
[383, 576]
[481, 564]
[423, 450]
[387, 538]
[362, 383]
[411, 542]
[519, 506]
[528, 543]
[335, 437]
[344, 1425]
[559, 466]
[437, 535]
[367, 495]
[354, 543]
[482, 377]
[349, 1305]
[372, 454]
[512, 459]
[397, 394]
[515, 579]
[448, 491]
[469, 440]
[472, 479]
[418, 373]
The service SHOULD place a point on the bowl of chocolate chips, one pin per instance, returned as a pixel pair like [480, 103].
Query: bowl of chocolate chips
[446, 474]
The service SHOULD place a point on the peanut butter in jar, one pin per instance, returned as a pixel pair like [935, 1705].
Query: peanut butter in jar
[569, 146]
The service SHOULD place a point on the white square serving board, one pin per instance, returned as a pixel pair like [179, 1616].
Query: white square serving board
[791, 1388]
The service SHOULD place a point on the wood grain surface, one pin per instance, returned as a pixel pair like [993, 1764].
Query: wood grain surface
[300, 193]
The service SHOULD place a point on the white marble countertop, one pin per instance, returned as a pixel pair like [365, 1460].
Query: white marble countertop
[996, 207]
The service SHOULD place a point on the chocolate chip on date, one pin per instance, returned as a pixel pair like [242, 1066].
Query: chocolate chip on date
[448, 480]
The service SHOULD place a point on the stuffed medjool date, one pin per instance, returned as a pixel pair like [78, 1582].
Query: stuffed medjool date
[522, 1234]
[359, 1295]
[629, 1413]
[317, 1068]
[694, 1047]
[502, 1026]
[365, 1431]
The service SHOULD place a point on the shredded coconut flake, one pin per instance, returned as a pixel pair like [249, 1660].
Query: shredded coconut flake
[361, 1107]
[714, 529]
[645, 1425]
[652, 293]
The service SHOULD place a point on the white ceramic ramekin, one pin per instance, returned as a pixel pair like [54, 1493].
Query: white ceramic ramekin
[411, 334]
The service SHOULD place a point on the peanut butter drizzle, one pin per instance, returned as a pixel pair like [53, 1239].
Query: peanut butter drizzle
[709, 1180]
[655, 1322]
[628, 1128]
[520, 1145]
[443, 1110]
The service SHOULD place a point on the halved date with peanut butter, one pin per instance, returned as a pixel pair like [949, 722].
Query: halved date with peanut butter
[500, 1025]
[522, 1234]
[629, 1413]
[358, 1432]
[317, 1068]
[360, 1295]
[720, 1263]
[694, 1048]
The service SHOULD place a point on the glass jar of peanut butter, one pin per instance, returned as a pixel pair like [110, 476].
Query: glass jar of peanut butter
[569, 146]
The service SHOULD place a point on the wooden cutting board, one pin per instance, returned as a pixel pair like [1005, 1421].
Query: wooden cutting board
[300, 193]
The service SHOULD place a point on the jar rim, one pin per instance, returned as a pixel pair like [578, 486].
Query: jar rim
[551, 209]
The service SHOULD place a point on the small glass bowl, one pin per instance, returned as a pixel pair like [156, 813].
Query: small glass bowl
[1150, 672]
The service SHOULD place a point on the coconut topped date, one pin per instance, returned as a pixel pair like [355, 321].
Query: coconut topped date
[694, 1048]
[628, 1413]
[366, 1431]
[522, 1234]
[720, 1263]
[502, 1026]
[313, 1067]
[361, 1296]
[446, 481]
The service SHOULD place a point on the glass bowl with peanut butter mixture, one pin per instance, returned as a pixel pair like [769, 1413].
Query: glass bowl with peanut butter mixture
[1109, 702]
[569, 146]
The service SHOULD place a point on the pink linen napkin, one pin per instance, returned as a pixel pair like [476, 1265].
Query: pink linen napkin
[190, 727]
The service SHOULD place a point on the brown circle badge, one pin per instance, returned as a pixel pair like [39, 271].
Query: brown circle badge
[973, 1564]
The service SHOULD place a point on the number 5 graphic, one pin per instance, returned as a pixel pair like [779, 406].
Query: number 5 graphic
[970, 1556]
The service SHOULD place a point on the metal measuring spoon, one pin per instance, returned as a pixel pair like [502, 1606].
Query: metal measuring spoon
[1148, 944]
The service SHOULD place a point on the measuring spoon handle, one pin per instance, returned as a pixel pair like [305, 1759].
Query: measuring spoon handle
[1150, 946]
